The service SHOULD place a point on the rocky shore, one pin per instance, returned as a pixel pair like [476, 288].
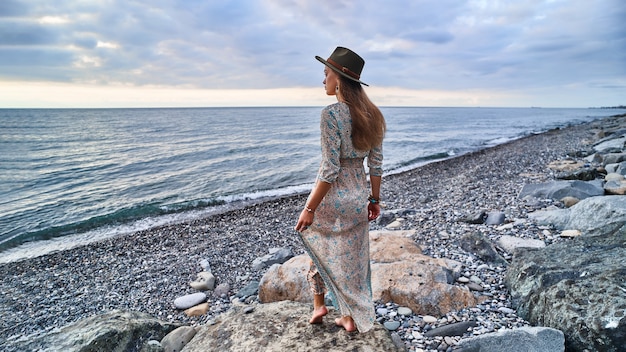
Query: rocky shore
[440, 202]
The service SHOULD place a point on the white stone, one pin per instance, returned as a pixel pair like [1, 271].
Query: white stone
[429, 319]
[404, 311]
[482, 267]
[506, 310]
[206, 266]
[394, 225]
[204, 281]
[505, 227]
[475, 279]
[190, 300]
[510, 243]
[570, 233]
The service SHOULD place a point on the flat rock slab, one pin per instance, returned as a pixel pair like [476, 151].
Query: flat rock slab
[510, 243]
[536, 339]
[284, 326]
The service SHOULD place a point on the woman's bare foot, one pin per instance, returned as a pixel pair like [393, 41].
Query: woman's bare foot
[347, 323]
[318, 315]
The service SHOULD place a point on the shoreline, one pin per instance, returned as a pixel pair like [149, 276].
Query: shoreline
[148, 269]
[35, 231]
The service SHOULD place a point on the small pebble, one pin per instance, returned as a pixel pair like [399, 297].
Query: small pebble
[404, 311]
[392, 325]
[428, 319]
[506, 310]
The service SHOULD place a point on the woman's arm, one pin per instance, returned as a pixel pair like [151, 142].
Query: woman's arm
[330, 140]
[307, 214]
[373, 209]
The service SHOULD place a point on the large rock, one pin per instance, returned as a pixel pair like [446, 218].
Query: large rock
[575, 286]
[535, 339]
[114, 331]
[286, 281]
[560, 189]
[610, 144]
[594, 216]
[284, 326]
[616, 186]
[177, 339]
[614, 158]
[400, 273]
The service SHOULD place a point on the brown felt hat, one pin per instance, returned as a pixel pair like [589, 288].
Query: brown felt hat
[346, 63]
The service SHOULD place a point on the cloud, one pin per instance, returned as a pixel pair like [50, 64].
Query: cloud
[416, 45]
[10, 8]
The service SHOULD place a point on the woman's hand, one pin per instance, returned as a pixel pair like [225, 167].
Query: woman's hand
[373, 211]
[305, 220]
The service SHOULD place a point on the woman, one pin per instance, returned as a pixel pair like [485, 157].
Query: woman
[334, 223]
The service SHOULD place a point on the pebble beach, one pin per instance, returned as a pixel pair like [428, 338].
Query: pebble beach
[147, 270]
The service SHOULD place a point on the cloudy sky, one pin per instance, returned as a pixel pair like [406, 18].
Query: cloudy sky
[150, 53]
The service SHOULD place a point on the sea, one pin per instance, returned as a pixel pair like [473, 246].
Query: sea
[72, 176]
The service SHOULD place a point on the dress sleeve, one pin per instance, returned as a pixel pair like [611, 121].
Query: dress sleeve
[330, 141]
[375, 161]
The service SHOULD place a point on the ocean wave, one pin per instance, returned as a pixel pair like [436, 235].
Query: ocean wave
[92, 181]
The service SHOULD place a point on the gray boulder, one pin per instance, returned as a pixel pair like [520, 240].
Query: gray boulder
[177, 339]
[284, 326]
[583, 174]
[275, 256]
[614, 158]
[478, 217]
[560, 189]
[610, 143]
[482, 247]
[114, 331]
[251, 289]
[575, 286]
[593, 216]
[495, 218]
[525, 339]
[618, 168]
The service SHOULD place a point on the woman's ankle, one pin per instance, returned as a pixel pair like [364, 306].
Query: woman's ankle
[346, 322]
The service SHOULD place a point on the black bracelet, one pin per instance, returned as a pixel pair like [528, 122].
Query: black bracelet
[373, 200]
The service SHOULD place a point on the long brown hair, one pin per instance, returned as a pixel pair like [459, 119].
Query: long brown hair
[368, 123]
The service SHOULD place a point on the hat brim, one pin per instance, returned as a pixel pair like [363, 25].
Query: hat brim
[339, 72]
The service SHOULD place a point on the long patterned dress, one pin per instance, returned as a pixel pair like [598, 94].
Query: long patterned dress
[338, 239]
